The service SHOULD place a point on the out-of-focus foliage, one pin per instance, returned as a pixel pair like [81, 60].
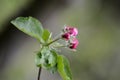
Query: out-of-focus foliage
[8, 8]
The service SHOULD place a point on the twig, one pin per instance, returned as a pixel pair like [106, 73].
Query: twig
[39, 72]
[53, 41]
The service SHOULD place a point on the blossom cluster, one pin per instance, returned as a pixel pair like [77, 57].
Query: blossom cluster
[69, 34]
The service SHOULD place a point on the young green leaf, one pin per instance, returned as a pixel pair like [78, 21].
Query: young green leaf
[53, 60]
[46, 58]
[64, 68]
[46, 35]
[30, 26]
[38, 59]
[53, 69]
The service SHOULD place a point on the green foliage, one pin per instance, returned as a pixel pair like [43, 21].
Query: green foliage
[30, 26]
[47, 57]
[46, 35]
[64, 68]
[38, 59]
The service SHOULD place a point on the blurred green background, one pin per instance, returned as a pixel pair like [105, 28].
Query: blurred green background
[97, 56]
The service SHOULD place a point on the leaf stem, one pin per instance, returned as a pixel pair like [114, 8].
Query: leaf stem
[53, 41]
[39, 72]
[61, 46]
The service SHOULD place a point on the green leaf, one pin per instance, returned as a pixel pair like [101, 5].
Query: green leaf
[38, 59]
[53, 69]
[53, 60]
[46, 35]
[30, 26]
[64, 68]
[46, 58]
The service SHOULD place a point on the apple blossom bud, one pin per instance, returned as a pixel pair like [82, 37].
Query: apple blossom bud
[74, 44]
[66, 36]
[66, 28]
[73, 31]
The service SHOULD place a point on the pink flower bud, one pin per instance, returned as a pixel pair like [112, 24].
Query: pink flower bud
[73, 31]
[66, 28]
[66, 36]
[74, 44]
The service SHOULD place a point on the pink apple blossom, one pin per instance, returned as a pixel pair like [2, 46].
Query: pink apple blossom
[66, 36]
[74, 44]
[72, 30]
